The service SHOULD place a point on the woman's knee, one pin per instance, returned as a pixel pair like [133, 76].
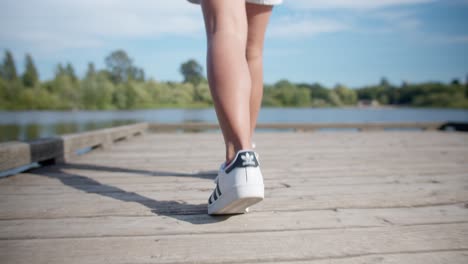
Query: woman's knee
[254, 52]
[225, 17]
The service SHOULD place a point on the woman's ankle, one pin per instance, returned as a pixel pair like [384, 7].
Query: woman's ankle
[232, 149]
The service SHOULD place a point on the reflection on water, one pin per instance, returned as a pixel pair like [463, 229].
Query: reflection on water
[35, 130]
[26, 125]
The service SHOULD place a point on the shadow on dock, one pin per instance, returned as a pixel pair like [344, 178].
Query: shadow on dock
[179, 210]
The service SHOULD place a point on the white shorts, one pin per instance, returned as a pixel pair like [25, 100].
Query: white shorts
[258, 2]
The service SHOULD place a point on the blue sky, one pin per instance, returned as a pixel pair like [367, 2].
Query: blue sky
[327, 41]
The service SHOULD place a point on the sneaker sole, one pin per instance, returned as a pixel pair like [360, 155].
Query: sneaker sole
[237, 200]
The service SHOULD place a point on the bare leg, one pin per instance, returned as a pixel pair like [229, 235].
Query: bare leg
[257, 17]
[228, 71]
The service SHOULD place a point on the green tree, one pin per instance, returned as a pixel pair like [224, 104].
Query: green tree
[68, 92]
[137, 74]
[347, 96]
[192, 72]
[91, 71]
[30, 76]
[70, 71]
[3, 94]
[285, 93]
[121, 69]
[97, 92]
[334, 99]
[8, 68]
[384, 82]
[60, 70]
[204, 94]
[119, 98]
[466, 87]
[119, 65]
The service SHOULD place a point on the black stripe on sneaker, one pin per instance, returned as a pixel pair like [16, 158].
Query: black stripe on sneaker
[217, 188]
[215, 196]
[209, 199]
[243, 159]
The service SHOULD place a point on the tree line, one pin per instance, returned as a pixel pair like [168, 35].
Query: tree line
[123, 85]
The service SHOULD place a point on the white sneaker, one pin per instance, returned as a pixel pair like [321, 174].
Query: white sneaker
[238, 185]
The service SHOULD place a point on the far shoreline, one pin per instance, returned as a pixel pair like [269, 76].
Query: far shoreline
[211, 107]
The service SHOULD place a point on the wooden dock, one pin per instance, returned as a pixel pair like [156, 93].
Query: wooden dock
[331, 197]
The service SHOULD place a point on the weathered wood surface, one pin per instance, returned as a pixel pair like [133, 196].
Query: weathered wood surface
[338, 197]
[199, 126]
[63, 148]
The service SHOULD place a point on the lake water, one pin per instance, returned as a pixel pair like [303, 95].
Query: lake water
[25, 125]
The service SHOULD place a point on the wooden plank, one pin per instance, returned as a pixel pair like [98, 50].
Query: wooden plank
[142, 176]
[133, 183]
[103, 138]
[46, 149]
[364, 195]
[14, 154]
[438, 257]
[61, 183]
[253, 222]
[334, 198]
[62, 148]
[240, 247]
[112, 200]
[303, 126]
[342, 139]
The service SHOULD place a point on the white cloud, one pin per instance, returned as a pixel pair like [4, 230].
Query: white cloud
[352, 17]
[398, 20]
[348, 4]
[88, 23]
[292, 27]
